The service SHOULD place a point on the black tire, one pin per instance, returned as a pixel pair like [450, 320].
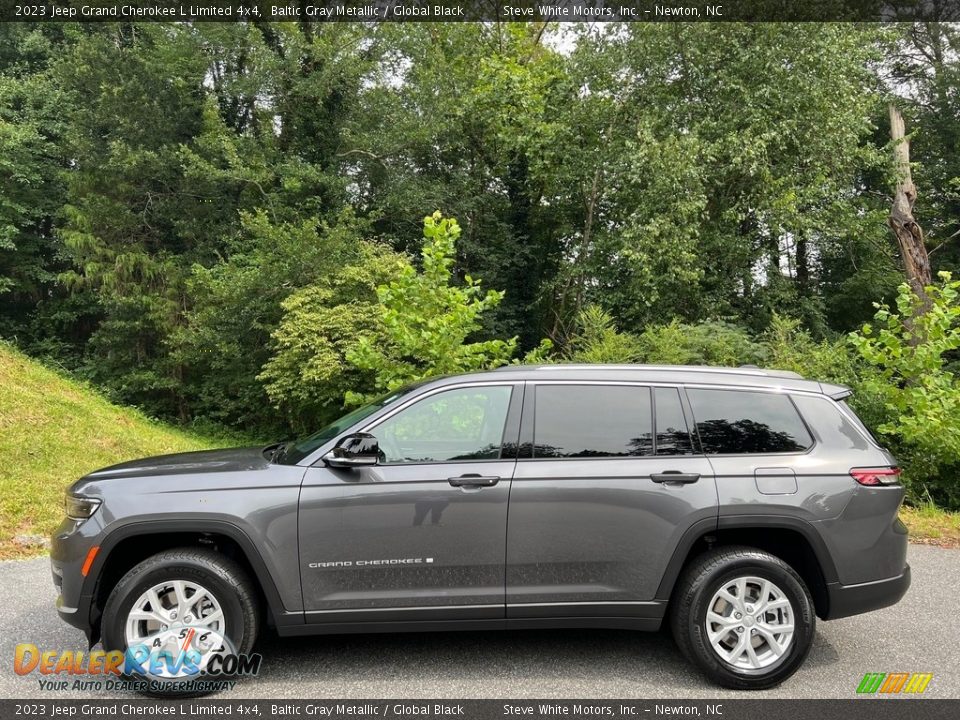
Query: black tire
[696, 588]
[223, 577]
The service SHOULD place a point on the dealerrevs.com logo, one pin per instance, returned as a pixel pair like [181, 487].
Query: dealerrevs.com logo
[894, 683]
[180, 659]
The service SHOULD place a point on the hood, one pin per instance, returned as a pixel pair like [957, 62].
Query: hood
[203, 461]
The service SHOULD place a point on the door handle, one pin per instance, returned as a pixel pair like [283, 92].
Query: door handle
[674, 476]
[474, 480]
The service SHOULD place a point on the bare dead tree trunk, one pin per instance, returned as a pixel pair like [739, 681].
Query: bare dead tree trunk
[909, 234]
[577, 278]
[803, 265]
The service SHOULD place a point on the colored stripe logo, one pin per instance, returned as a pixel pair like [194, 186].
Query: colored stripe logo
[894, 683]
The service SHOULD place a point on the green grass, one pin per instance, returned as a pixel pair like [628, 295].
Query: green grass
[930, 525]
[52, 431]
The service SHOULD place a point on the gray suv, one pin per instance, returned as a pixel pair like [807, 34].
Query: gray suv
[737, 505]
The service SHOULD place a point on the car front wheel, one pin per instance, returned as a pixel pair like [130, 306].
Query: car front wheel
[175, 611]
[744, 617]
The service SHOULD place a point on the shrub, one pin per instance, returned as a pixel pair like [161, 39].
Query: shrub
[790, 347]
[308, 373]
[712, 342]
[425, 320]
[906, 355]
[597, 340]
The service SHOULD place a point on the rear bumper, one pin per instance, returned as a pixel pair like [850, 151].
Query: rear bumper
[846, 600]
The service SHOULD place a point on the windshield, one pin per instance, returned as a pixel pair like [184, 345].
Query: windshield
[301, 448]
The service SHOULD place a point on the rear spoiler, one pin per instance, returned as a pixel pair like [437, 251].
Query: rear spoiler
[837, 392]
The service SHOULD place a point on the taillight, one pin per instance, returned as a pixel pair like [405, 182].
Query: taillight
[876, 476]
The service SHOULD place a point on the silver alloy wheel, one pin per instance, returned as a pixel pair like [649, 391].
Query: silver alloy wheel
[176, 616]
[749, 623]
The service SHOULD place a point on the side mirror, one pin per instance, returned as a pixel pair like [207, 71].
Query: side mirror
[356, 450]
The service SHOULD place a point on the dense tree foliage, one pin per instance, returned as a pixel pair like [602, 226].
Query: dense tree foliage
[424, 321]
[222, 223]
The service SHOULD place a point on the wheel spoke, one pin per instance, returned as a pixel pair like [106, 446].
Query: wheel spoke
[723, 620]
[211, 618]
[739, 649]
[775, 646]
[196, 601]
[713, 617]
[715, 636]
[776, 629]
[180, 590]
[777, 604]
[764, 598]
[730, 598]
[751, 652]
[147, 615]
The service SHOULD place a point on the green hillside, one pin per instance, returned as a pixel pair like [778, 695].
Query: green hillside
[52, 431]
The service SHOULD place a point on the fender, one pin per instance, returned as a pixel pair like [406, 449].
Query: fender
[281, 616]
[733, 522]
[679, 557]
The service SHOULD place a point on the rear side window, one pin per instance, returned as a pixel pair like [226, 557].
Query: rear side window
[735, 422]
[590, 421]
[829, 425]
[673, 435]
[858, 421]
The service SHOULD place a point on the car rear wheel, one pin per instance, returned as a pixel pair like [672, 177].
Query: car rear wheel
[744, 617]
[185, 606]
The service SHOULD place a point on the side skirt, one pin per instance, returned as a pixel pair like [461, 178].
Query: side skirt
[373, 627]
[646, 616]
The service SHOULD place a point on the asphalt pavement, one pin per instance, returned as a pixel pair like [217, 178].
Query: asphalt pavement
[920, 634]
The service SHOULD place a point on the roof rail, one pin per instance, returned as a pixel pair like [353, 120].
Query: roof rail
[742, 370]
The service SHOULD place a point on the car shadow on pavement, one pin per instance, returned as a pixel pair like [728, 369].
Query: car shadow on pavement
[488, 664]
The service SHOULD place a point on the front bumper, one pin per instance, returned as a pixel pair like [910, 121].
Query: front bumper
[846, 600]
[68, 550]
[77, 614]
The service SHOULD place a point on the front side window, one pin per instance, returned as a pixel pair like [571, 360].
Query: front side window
[733, 422]
[298, 450]
[591, 421]
[452, 426]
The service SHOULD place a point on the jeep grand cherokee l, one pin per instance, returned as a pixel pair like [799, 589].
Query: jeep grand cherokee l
[737, 505]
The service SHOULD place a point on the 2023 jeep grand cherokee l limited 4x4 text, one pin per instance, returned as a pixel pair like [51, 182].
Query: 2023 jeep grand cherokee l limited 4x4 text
[736, 504]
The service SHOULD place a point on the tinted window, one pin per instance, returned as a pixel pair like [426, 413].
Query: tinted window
[859, 422]
[735, 421]
[451, 426]
[299, 450]
[579, 421]
[828, 425]
[673, 435]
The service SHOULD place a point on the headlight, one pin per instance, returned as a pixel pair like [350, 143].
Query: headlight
[80, 508]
